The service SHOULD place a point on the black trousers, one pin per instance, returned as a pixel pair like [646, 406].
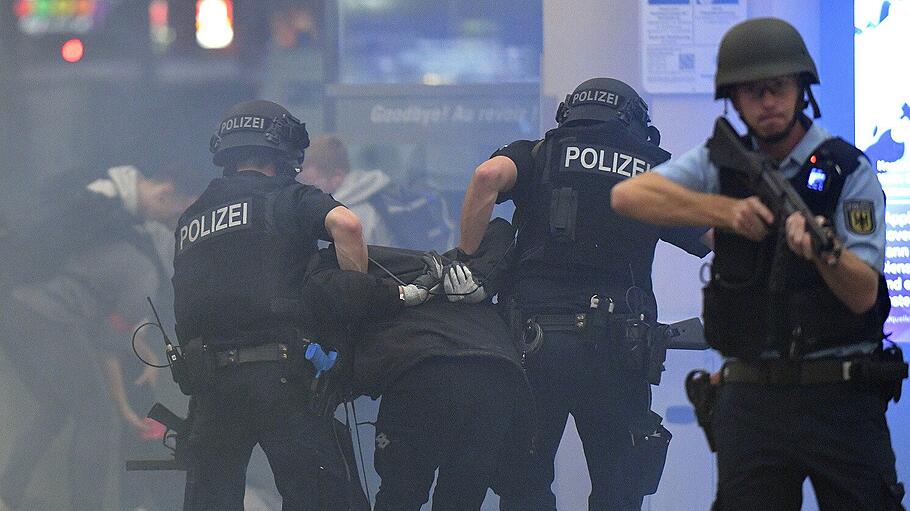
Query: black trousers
[255, 403]
[771, 438]
[453, 414]
[569, 375]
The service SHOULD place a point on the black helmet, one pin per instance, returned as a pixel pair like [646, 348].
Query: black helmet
[761, 48]
[606, 99]
[259, 123]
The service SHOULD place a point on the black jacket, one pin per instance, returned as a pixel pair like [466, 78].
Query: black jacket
[387, 339]
[362, 315]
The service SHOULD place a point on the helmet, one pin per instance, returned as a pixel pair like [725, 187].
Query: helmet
[761, 48]
[606, 99]
[259, 123]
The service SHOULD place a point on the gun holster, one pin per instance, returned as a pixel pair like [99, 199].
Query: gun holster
[889, 371]
[703, 396]
[628, 336]
[651, 442]
[658, 342]
[194, 372]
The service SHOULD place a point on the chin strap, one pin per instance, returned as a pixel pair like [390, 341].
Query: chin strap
[816, 112]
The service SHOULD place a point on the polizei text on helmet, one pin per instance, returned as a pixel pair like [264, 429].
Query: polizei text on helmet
[596, 96]
[242, 122]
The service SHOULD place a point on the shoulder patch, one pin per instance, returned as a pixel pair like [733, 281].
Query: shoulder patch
[860, 216]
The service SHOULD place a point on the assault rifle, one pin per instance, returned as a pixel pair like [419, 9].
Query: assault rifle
[180, 429]
[682, 335]
[727, 151]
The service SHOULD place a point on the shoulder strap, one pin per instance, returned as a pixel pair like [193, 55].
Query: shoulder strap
[535, 151]
[840, 152]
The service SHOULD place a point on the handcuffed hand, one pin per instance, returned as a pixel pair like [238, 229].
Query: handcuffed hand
[433, 269]
[414, 295]
[459, 285]
[419, 291]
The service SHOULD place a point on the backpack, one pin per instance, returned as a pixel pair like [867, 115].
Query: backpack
[417, 216]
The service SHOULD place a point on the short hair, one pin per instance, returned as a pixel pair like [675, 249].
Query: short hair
[328, 154]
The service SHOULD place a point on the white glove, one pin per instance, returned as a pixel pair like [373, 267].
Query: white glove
[459, 285]
[414, 295]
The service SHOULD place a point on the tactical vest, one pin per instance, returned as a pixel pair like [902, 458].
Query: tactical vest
[762, 297]
[569, 223]
[233, 265]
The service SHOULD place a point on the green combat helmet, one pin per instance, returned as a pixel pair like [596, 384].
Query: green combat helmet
[762, 48]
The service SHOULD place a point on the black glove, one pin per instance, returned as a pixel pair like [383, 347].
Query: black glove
[432, 271]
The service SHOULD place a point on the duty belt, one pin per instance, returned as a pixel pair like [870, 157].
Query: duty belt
[271, 352]
[567, 322]
[811, 372]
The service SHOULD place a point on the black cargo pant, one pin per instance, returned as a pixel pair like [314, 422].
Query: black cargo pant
[453, 414]
[257, 403]
[771, 438]
[570, 375]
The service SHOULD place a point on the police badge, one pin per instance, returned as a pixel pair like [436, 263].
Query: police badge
[860, 216]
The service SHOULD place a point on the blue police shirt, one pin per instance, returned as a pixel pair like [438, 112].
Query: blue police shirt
[695, 171]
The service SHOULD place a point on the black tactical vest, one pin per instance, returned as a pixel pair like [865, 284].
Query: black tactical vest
[570, 224]
[763, 297]
[233, 265]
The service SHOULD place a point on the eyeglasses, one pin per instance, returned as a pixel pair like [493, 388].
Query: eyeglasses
[775, 86]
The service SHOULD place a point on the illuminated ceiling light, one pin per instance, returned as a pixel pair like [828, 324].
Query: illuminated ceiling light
[370, 5]
[22, 8]
[158, 13]
[432, 79]
[214, 23]
[37, 17]
[72, 50]
[160, 31]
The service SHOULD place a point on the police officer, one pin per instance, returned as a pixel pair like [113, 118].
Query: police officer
[574, 255]
[241, 250]
[806, 394]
